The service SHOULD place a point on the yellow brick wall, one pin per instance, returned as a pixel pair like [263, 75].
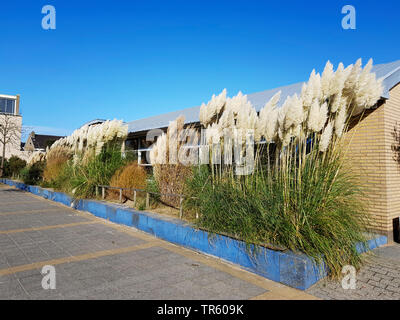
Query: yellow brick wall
[370, 151]
[392, 120]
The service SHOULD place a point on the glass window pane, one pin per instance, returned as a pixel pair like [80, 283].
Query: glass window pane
[10, 106]
[2, 105]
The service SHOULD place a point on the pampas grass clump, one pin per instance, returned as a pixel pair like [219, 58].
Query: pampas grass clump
[170, 174]
[37, 156]
[129, 176]
[306, 200]
[93, 137]
[56, 160]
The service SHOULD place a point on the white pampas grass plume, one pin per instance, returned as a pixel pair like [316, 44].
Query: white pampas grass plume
[317, 86]
[297, 131]
[323, 116]
[162, 149]
[313, 117]
[375, 93]
[213, 108]
[311, 90]
[368, 89]
[203, 114]
[307, 94]
[122, 132]
[237, 102]
[340, 121]
[282, 114]
[268, 119]
[244, 115]
[158, 152]
[37, 156]
[153, 154]
[272, 103]
[213, 134]
[286, 137]
[337, 102]
[294, 114]
[174, 132]
[93, 138]
[270, 131]
[99, 146]
[327, 76]
[220, 101]
[337, 82]
[326, 137]
[227, 119]
[352, 79]
[334, 95]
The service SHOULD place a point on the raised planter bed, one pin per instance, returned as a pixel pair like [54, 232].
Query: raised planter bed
[292, 269]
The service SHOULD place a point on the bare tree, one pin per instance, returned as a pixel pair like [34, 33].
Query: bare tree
[10, 134]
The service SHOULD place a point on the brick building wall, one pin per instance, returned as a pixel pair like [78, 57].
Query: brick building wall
[371, 154]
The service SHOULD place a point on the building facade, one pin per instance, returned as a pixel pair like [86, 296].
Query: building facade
[39, 142]
[11, 126]
[373, 144]
[374, 150]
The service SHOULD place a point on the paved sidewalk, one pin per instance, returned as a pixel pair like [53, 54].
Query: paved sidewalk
[96, 259]
[379, 279]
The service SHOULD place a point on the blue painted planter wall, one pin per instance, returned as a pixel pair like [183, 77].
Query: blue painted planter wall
[292, 269]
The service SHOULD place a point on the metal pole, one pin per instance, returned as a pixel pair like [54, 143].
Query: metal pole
[103, 192]
[120, 195]
[134, 198]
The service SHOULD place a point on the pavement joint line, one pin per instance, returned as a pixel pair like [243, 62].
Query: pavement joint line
[275, 289]
[16, 201]
[272, 287]
[82, 257]
[284, 291]
[27, 211]
[48, 227]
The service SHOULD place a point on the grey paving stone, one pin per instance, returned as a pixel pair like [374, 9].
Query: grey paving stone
[378, 279]
[151, 273]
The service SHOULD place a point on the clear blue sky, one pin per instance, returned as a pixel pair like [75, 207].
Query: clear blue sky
[133, 59]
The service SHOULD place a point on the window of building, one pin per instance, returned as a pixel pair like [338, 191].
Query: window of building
[7, 105]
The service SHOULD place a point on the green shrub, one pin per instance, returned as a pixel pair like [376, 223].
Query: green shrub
[33, 174]
[15, 165]
[5, 167]
[152, 186]
[82, 178]
[142, 205]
